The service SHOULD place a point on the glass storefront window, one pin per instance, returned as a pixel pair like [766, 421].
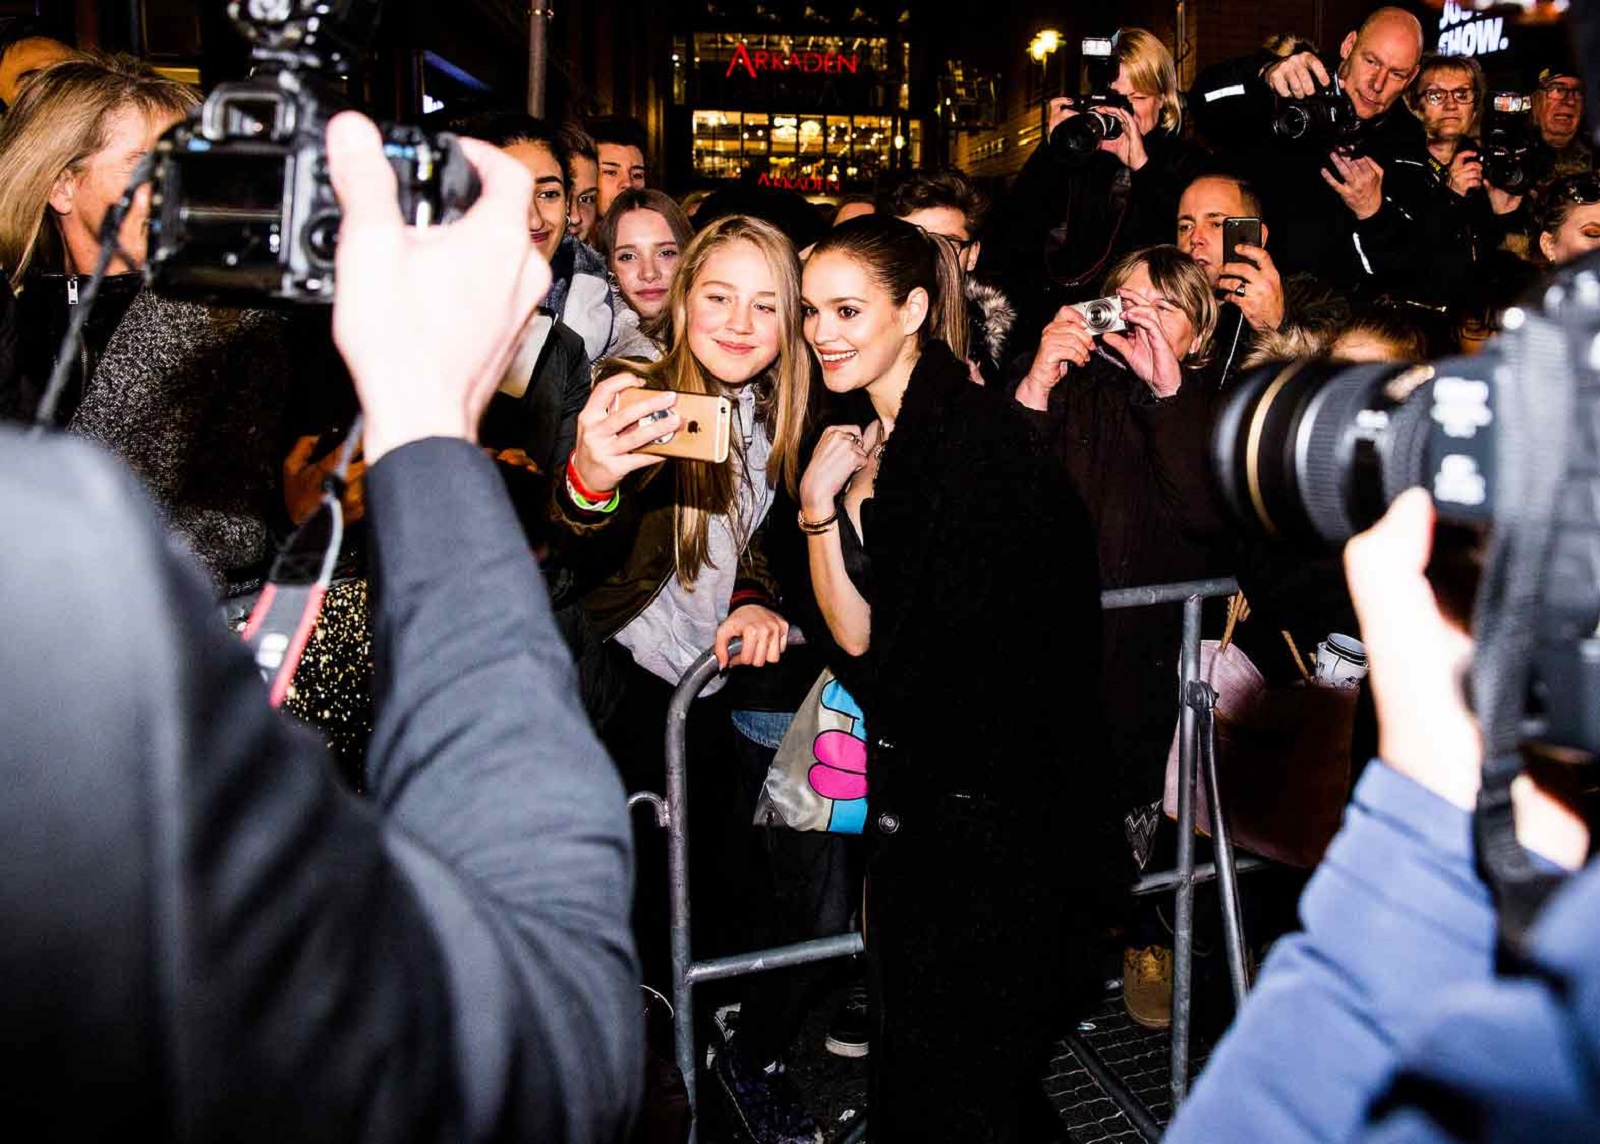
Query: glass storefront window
[838, 149]
[785, 133]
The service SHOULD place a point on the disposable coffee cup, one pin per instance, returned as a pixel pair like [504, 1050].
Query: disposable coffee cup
[1341, 660]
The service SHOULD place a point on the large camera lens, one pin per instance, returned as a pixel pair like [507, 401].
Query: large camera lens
[1292, 122]
[1082, 134]
[1505, 168]
[1316, 450]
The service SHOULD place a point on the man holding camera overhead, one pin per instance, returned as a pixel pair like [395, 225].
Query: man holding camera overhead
[1334, 153]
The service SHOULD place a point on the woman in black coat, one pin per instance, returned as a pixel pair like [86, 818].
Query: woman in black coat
[955, 566]
[1128, 414]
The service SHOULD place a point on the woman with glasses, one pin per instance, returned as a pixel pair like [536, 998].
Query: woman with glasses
[1448, 99]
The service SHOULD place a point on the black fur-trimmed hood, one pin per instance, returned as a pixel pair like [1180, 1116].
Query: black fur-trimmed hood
[991, 316]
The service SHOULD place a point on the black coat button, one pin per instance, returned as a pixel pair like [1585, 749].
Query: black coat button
[888, 823]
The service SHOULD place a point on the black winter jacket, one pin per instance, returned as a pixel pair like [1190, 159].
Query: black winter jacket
[1065, 223]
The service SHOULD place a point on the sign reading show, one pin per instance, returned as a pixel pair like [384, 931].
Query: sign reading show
[762, 60]
[1462, 34]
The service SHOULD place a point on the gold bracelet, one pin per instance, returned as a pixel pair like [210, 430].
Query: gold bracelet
[816, 527]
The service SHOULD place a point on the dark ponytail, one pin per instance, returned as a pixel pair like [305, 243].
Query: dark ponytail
[901, 257]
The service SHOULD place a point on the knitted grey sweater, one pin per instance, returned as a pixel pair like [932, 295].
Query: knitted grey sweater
[192, 397]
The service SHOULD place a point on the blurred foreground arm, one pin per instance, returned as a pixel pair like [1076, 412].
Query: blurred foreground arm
[1384, 1020]
[218, 942]
[508, 816]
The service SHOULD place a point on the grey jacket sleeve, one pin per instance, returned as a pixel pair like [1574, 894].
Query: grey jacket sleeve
[502, 806]
[219, 942]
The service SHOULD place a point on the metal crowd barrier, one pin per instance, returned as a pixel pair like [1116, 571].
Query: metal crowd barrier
[1196, 753]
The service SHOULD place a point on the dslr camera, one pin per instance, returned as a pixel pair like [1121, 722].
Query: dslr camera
[242, 210]
[1102, 315]
[1507, 443]
[1324, 120]
[1508, 151]
[1080, 137]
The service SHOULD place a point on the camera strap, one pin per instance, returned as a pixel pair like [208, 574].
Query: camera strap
[1534, 424]
[284, 617]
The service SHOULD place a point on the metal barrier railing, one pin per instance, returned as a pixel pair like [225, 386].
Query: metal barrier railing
[1196, 752]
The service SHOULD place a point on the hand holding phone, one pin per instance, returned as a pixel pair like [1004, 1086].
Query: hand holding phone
[703, 430]
[1237, 232]
[608, 438]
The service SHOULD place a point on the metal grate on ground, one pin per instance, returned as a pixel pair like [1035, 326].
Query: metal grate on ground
[1140, 1057]
[836, 1089]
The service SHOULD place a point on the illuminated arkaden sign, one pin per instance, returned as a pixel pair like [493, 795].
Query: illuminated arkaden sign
[1461, 35]
[761, 60]
[806, 184]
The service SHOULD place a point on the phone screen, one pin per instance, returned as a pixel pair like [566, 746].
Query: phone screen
[1237, 232]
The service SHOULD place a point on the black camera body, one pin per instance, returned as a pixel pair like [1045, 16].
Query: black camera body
[242, 209]
[1081, 136]
[1323, 121]
[1507, 443]
[1512, 158]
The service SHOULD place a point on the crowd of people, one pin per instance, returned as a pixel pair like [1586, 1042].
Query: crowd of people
[936, 460]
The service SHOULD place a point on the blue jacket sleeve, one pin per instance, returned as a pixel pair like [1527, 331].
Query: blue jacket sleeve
[1395, 919]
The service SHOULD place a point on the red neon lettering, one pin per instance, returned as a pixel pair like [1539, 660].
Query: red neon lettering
[761, 60]
[741, 56]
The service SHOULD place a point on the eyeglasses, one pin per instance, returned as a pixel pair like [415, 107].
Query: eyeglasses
[1437, 96]
[1568, 92]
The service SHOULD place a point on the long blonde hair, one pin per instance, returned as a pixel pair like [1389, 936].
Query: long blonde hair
[56, 126]
[1152, 70]
[782, 392]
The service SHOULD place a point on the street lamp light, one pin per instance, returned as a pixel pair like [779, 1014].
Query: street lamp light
[1040, 48]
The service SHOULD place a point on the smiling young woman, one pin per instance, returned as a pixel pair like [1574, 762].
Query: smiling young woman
[928, 530]
[692, 575]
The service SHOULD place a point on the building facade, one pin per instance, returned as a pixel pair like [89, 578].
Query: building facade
[821, 110]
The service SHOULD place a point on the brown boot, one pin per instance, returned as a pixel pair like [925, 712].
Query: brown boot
[1147, 986]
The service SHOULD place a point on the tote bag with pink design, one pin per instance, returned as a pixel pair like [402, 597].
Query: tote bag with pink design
[818, 778]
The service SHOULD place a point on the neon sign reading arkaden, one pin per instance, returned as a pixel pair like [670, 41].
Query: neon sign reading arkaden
[761, 60]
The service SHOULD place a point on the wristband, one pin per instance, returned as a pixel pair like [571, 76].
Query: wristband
[575, 483]
[588, 505]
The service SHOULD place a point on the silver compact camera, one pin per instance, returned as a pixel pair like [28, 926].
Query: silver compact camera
[1102, 315]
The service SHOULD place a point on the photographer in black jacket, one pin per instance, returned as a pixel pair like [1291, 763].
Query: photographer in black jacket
[1348, 201]
[206, 938]
[1070, 216]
